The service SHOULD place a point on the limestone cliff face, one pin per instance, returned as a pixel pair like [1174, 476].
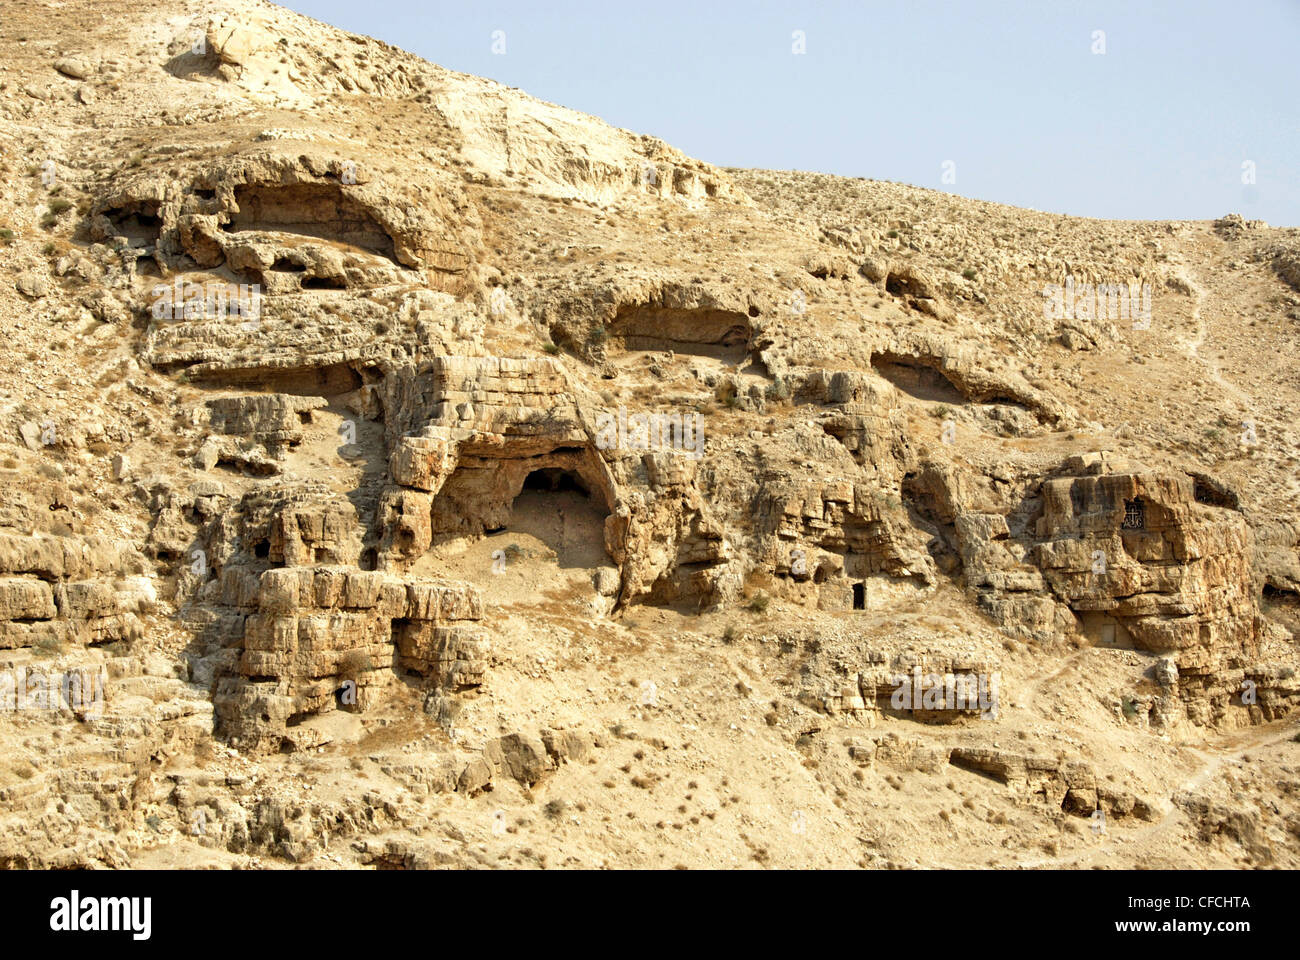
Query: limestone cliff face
[366, 415]
[1127, 557]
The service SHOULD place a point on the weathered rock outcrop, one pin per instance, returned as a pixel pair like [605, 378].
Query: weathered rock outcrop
[439, 437]
[1128, 558]
[317, 638]
[481, 428]
[70, 590]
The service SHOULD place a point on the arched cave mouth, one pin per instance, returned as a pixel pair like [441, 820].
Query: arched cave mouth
[138, 221]
[917, 378]
[551, 507]
[556, 480]
[558, 508]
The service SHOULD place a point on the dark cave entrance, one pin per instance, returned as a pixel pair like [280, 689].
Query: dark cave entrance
[918, 377]
[562, 509]
[556, 480]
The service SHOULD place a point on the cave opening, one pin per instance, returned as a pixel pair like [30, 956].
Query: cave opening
[562, 510]
[332, 380]
[918, 377]
[556, 480]
[322, 211]
[720, 334]
[324, 283]
[138, 222]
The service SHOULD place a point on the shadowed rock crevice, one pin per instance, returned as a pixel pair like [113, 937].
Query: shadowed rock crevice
[319, 210]
[719, 333]
[917, 378]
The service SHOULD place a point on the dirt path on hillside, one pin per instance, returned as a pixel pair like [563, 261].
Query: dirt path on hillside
[1213, 761]
[1194, 347]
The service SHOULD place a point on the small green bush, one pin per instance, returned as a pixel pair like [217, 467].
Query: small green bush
[354, 663]
[48, 647]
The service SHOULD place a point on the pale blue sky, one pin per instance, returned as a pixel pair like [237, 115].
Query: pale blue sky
[1157, 127]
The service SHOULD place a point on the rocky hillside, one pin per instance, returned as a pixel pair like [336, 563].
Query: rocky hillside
[403, 471]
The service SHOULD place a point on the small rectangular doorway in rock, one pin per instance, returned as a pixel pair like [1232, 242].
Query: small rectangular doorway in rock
[859, 596]
[1108, 633]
